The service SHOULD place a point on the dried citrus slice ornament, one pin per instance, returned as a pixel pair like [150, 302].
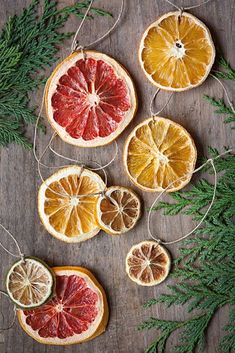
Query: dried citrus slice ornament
[30, 283]
[148, 263]
[67, 204]
[90, 99]
[77, 313]
[158, 152]
[177, 52]
[118, 210]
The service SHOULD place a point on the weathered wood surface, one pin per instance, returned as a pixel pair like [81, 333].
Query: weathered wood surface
[105, 255]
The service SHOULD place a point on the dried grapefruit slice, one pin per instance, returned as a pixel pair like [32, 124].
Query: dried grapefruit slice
[177, 52]
[78, 312]
[118, 210]
[148, 263]
[90, 101]
[67, 206]
[157, 153]
[30, 283]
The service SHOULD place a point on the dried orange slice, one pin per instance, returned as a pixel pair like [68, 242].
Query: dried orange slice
[177, 52]
[90, 101]
[67, 206]
[148, 263]
[77, 313]
[157, 153]
[118, 210]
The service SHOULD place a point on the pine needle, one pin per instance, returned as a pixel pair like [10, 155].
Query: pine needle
[228, 73]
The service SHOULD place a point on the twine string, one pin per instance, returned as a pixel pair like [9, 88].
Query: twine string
[101, 167]
[153, 114]
[82, 166]
[75, 44]
[20, 254]
[225, 92]
[182, 9]
[14, 317]
[211, 161]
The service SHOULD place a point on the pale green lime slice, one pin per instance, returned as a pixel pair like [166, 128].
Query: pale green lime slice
[30, 283]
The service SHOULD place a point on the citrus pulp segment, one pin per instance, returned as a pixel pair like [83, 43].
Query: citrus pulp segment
[67, 204]
[77, 313]
[89, 101]
[148, 263]
[118, 210]
[29, 283]
[159, 154]
[177, 52]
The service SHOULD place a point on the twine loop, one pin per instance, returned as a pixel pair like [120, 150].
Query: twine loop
[106, 34]
[14, 317]
[182, 9]
[80, 48]
[152, 112]
[211, 161]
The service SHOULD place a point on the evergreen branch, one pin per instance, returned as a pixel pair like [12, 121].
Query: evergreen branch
[205, 268]
[229, 73]
[227, 344]
[222, 108]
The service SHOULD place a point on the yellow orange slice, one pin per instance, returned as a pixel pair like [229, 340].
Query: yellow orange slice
[90, 100]
[177, 52]
[78, 312]
[157, 153]
[148, 263]
[67, 206]
[118, 210]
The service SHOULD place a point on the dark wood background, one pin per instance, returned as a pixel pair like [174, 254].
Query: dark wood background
[105, 255]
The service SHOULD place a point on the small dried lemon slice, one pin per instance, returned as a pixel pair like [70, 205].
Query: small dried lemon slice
[148, 263]
[118, 210]
[158, 154]
[67, 204]
[177, 52]
[30, 283]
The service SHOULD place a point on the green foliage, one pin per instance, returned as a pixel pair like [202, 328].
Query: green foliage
[205, 268]
[227, 74]
[28, 44]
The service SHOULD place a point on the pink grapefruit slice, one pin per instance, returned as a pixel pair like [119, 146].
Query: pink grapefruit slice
[90, 101]
[78, 312]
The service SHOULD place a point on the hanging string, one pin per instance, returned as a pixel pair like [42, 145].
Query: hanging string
[153, 114]
[225, 91]
[211, 161]
[82, 166]
[20, 254]
[92, 169]
[75, 44]
[14, 317]
[182, 9]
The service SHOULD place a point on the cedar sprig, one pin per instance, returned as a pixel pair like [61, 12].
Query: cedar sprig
[205, 268]
[222, 109]
[29, 43]
[228, 73]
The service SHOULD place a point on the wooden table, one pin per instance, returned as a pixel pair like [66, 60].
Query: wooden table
[105, 255]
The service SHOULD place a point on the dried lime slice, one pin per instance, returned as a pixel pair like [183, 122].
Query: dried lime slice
[30, 283]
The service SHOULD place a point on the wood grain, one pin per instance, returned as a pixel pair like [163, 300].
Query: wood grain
[105, 255]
